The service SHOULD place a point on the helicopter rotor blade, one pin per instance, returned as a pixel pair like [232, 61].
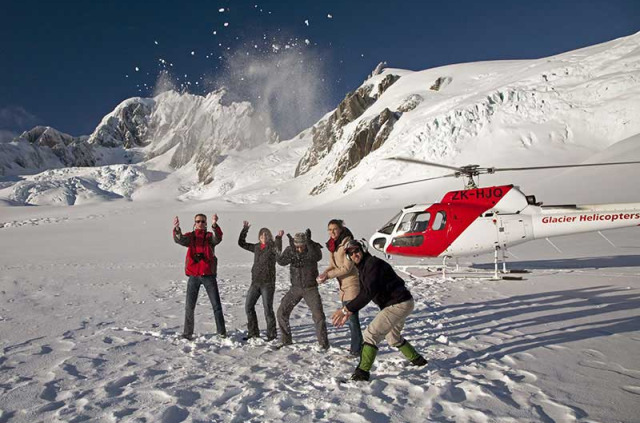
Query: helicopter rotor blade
[423, 162]
[511, 169]
[418, 180]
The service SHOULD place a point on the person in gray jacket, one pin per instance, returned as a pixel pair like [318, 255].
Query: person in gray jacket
[263, 279]
[303, 256]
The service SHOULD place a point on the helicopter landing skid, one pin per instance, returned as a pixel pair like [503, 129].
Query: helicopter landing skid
[422, 271]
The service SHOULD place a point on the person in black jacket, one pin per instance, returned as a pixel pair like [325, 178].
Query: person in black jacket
[303, 255]
[380, 284]
[263, 279]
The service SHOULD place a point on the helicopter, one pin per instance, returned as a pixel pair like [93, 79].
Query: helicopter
[478, 220]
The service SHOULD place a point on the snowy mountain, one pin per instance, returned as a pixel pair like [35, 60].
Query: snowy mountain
[44, 148]
[562, 109]
[204, 129]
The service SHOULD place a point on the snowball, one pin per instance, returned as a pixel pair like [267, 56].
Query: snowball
[330, 16]
[221, 10]
[226, 24]
[442, 339]
[137, 69]
[306, 22]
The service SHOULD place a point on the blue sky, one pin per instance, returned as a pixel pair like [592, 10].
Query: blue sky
[68, 63]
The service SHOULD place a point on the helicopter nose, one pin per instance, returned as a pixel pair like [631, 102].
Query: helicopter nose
[380, 241]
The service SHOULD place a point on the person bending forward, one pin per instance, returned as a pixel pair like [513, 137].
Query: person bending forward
[380, 284]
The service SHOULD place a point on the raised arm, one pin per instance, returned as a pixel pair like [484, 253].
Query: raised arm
[217, 232]
[242, 239]
[286, 257]
[278, 242]
[178, 237]
[315, 249]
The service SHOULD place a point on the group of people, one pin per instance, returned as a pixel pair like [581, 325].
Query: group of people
[361, 277]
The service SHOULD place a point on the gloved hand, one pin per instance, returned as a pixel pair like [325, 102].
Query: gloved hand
[290, 240]
[308, 234]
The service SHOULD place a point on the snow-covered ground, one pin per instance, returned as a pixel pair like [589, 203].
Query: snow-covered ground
[92, 300]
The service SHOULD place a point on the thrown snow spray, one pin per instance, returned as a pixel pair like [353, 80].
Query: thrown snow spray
[285, 85]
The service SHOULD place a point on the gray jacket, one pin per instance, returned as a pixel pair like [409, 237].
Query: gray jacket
[304, 266]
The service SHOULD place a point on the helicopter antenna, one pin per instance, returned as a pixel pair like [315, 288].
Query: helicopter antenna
[472, 173]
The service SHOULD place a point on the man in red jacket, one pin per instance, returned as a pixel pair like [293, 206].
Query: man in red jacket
[201, 267]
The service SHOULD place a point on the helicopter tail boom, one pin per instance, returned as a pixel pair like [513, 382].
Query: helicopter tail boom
[565, 221]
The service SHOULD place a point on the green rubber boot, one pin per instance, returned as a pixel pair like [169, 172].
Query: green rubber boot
[367, 357]
[412, 355]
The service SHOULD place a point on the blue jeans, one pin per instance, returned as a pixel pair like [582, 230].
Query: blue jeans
[193, 287]
[266, 292]
[356, 332]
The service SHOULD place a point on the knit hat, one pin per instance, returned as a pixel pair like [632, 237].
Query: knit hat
[299, 239]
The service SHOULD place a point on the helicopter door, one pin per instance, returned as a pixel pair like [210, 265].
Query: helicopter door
[512, 230]
[439, 231]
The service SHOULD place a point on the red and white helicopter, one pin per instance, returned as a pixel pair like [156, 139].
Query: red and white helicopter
[490, 219]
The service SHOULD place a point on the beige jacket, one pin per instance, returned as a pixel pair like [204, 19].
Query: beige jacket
[345, 271]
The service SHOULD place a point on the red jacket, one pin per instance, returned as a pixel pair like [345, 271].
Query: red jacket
[201, 259]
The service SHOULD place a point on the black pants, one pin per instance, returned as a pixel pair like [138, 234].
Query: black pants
[193, 287]
[314, 302]
[256, 291]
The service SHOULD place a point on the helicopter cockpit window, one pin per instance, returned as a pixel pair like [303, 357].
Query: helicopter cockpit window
[414, 222]
[388, 227]
[439, 221]
[405, 223]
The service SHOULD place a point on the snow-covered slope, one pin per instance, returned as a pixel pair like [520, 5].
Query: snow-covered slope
[562, 109]
[546, 111]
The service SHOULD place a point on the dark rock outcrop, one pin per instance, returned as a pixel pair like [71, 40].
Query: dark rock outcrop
[127, 127]
[328, 131]
[368, 137]
[440, 83]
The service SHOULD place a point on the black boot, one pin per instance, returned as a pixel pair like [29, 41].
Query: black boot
[412, 355]
[360, 375]
[420, 361]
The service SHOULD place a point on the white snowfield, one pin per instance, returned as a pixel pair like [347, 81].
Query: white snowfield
[92, 296]
[92, 303]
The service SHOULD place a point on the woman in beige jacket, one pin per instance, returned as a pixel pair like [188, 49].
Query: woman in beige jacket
[343, 269]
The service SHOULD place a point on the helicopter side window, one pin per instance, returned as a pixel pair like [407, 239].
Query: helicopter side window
[439, 221]
[421, 222]
[414, 222]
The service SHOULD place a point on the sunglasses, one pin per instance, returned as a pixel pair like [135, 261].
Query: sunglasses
[201, 221]
[352, 252]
